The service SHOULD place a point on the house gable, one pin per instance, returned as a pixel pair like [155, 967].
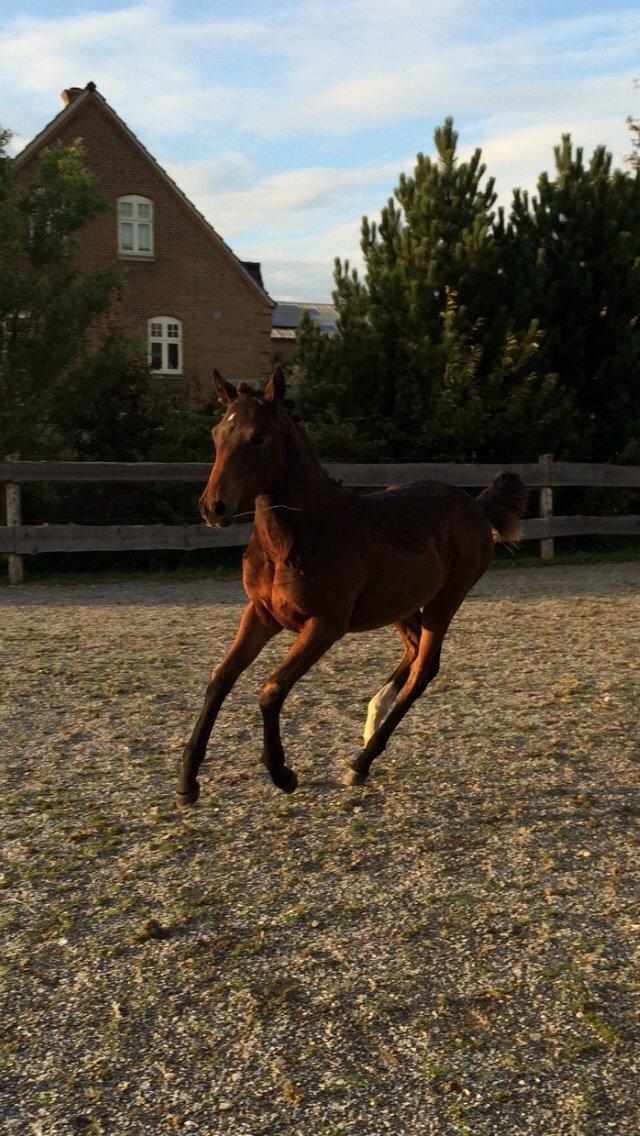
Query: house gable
[77, 100]
[190, 277]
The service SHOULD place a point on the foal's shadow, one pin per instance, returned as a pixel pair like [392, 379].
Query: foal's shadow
[322, 782]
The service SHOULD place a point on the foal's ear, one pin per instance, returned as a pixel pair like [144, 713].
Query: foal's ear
[275, 387]
[225, 391]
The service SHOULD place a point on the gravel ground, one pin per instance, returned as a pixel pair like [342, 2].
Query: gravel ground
[454, 948]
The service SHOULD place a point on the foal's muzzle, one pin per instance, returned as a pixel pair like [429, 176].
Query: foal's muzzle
[217, 516]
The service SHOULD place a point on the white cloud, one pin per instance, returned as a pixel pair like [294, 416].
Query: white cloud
[284, 201]
[144, 57]
[294, 222]
[229, 172]
[255, 115]
[302, 269]
[516, 158]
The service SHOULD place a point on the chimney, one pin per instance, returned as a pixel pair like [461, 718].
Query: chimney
[69, 94]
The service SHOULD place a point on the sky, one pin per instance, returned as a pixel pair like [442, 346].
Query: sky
[285, 122]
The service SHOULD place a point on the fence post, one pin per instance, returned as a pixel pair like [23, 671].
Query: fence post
[546, 507]
[14, 517]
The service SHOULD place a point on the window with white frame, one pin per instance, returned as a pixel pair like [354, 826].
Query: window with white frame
[135, 226]
[165, 345]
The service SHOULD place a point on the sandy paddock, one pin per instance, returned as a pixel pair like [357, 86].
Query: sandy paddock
[454, 948]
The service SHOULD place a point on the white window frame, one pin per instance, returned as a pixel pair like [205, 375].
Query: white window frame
[136, 211]
[167, 331]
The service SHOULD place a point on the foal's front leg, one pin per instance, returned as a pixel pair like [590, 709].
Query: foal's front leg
[252, 635]
[312, 643]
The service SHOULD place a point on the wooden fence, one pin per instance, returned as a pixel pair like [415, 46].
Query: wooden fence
[18, 540]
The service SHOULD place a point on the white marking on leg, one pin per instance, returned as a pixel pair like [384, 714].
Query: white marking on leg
[378, 709]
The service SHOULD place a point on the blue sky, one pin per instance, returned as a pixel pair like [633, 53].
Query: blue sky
[285, 122]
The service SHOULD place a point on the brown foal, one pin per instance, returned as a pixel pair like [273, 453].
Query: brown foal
[323, 561]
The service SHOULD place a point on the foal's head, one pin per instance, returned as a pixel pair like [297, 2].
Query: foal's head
[250, 448]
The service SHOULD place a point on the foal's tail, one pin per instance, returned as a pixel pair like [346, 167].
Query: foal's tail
[505, 503]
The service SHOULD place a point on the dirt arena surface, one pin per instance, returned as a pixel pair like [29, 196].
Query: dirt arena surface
[453, 949]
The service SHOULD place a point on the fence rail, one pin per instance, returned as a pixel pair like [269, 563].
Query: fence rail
[543, 473]
[18, 540]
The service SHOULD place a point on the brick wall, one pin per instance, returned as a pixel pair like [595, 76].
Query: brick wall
[190, 277]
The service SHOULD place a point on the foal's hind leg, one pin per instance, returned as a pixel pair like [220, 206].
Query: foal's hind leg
[422, 671]
[252, 635]
[383, 700]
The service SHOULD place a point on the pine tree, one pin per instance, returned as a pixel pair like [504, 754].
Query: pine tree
[427, 361]
[572, 256]
[634, 129]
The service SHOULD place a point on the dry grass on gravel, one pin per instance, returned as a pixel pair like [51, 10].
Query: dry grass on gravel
[453, 949]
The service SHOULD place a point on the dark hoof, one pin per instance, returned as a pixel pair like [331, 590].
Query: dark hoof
[354, 777]
[186, 797]
[285, 779]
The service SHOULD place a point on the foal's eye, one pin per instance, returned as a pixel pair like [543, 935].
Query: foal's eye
[257, 439]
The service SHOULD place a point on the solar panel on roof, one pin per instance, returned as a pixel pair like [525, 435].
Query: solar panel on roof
[288, 315]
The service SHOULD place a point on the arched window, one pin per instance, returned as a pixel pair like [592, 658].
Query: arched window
[165, 345]
[135, 226]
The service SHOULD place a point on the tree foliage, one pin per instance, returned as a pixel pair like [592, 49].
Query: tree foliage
[429, 362]
[484, 334]
[634, 129]
[573, 254]
[71, 385]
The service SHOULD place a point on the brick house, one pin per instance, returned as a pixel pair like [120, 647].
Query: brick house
[188, 298]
